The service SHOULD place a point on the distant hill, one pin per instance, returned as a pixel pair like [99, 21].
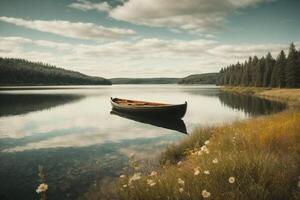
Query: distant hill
[23, 72]
[208, 78]
[144, 80]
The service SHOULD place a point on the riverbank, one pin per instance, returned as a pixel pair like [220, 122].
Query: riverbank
[253, 159]
[289, 96]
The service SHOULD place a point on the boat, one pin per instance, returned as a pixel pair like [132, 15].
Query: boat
[149, 109]
[167, 123]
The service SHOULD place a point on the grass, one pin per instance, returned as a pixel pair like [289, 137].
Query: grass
[291, 96]
[262, 155]
[244, 90]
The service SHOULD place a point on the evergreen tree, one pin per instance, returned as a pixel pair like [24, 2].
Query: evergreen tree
[274, 78]
[298, 68]
[253, 70]
[260, 70]
[245, 74]
[249, 68]
[291, 67]
[237, 74]
[268, 70]
[280, 70]
[265, 72]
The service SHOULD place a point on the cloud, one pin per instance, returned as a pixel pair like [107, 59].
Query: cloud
[87, 5]
[10, 43]
[155, 56]
[190, 15]
[151, 47]
[78, 30]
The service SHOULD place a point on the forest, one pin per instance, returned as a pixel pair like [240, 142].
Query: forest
[160, 80]
[207, 78]
[23, 72]
[282, 72]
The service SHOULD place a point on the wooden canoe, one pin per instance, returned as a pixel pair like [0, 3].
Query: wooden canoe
[150, 109]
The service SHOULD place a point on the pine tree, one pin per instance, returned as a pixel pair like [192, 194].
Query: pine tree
[280, 70]
[238, 74]
[253, 71]
[284, 72]
[249, 68]
[291, 67]
[274, 78]
[245, 74]
[260, 69]
[298, 68]
[268, 70]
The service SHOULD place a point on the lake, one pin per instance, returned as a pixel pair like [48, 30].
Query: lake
[72, 133]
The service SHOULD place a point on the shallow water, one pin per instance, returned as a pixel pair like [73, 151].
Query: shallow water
[68, 130]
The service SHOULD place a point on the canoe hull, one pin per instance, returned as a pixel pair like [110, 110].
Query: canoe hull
[165, 111]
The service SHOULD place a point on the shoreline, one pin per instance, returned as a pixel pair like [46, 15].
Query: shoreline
[232, 155]
[289, 96]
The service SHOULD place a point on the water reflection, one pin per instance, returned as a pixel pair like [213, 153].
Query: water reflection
[18, 104]
[172, 124]
[79, 130]
[250, 104]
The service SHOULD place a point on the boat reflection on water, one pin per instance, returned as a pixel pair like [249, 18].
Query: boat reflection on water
[172, 124]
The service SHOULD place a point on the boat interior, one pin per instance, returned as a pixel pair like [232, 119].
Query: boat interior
[136, 103]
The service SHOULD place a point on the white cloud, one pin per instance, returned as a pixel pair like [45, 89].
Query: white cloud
[70, 29]
[10, 43]
[190, 15]
[152, 47]
[87, 5]
[139, 58]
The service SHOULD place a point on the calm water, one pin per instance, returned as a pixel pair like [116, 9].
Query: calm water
[69, 130]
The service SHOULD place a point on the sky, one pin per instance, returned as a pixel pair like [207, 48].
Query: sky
[146, 38]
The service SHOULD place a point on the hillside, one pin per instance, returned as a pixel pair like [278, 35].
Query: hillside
[144, 80]
[23, 72]
[208, 78]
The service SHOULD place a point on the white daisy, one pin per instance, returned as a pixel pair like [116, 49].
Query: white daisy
[231, 180]
[205, 194]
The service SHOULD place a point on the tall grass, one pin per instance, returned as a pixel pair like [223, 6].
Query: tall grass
[254, 159]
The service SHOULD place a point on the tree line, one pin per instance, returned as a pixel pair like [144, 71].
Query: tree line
[22, 72]
[282, 72]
